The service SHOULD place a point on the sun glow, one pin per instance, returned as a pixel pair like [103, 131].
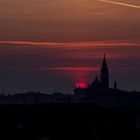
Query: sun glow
[81, 85]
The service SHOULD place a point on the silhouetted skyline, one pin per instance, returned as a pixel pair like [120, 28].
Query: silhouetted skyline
[102, 82]
[69, 69]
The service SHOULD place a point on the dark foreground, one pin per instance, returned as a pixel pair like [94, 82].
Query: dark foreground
[68, 122]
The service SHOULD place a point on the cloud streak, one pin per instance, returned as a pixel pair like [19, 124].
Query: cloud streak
[73, 44]
[120, 3]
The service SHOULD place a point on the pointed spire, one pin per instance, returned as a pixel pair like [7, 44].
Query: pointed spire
[96, 79]
[104, 64]
[104, 77]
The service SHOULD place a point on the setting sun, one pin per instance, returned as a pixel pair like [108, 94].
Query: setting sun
[81, 85]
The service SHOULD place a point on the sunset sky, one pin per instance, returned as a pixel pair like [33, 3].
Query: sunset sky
[49, 45]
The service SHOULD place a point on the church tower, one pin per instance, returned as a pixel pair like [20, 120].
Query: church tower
[104, 74]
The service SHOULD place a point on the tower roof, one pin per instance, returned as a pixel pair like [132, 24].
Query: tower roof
[104, 64]
[96, 79]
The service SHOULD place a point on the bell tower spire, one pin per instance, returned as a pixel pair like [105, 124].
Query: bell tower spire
[104, 64]
[104, 74]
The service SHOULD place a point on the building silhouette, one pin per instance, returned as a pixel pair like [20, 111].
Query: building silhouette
[99, 83]
[103, 82]
[104, 77]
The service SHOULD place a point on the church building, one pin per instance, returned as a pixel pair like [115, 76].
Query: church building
[103, 82]
[99, 83]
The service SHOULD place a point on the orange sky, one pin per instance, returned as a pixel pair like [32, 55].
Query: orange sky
[68, 20]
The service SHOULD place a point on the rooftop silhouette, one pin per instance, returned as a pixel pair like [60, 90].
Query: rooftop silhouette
[97, 92]
[99, 111]
[102, 83]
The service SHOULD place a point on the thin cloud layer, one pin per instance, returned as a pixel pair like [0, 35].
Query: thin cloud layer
[73, 44]
[121, 3]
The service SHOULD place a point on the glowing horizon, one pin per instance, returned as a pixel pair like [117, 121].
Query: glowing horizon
[72, 68]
